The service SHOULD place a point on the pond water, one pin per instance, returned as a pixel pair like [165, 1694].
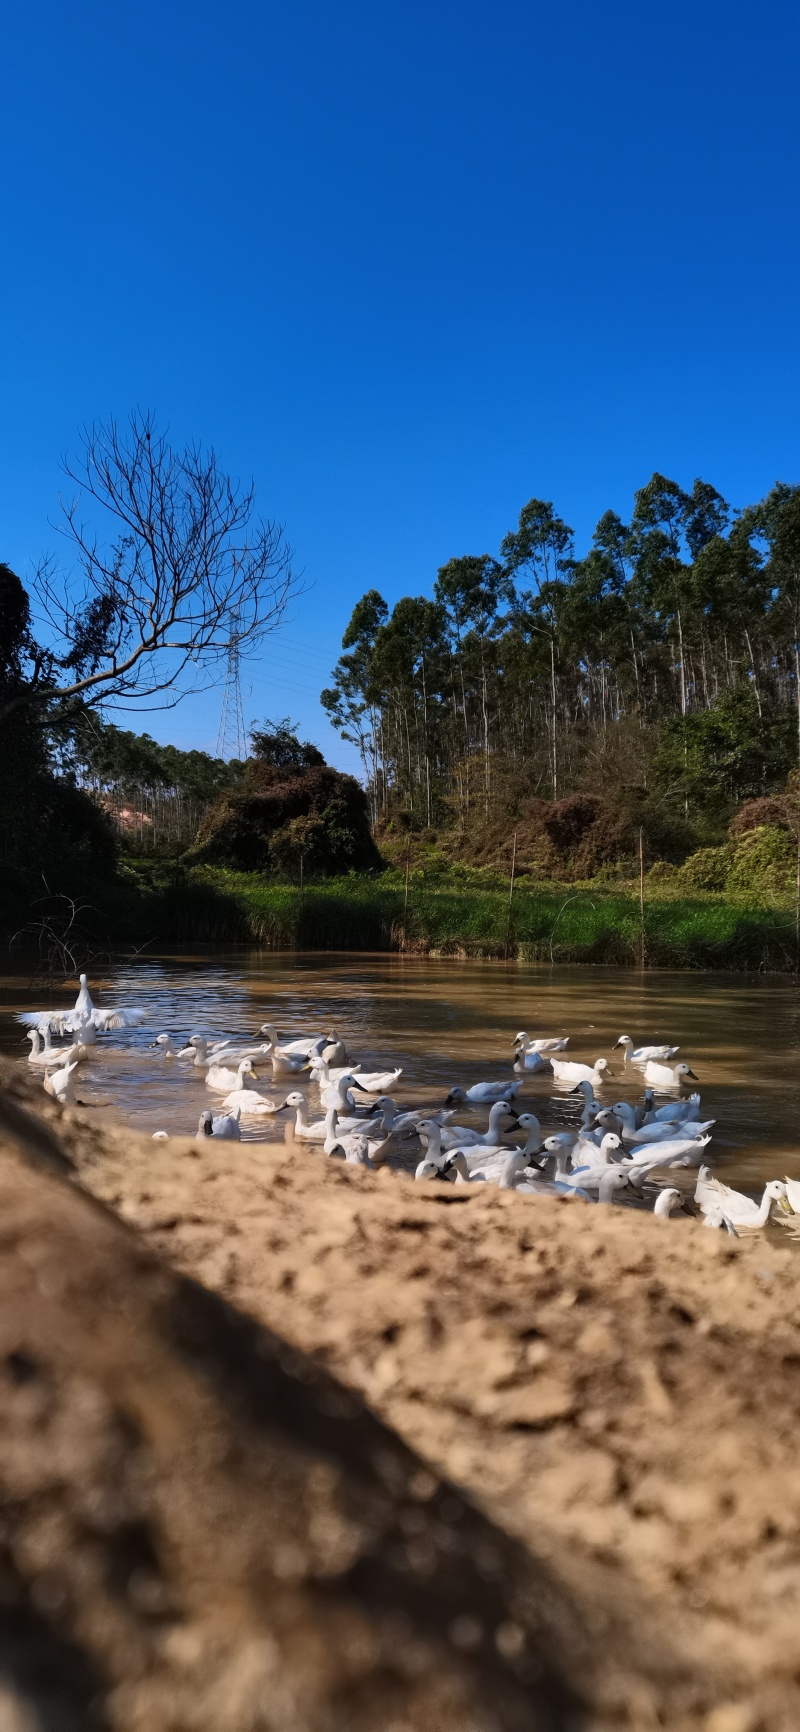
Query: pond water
[447, 1022]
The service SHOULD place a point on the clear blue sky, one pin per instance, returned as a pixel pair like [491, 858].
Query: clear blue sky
[406, 265]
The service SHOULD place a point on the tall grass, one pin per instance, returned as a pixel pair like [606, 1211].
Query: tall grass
[456, 915]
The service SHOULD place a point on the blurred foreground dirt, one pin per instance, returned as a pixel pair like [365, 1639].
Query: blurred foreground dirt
[574, 1503]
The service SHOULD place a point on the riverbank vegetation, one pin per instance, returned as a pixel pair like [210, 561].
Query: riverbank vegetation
[440, 912]
[587, 758]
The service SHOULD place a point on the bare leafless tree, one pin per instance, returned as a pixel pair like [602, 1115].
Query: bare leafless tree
[149, 613]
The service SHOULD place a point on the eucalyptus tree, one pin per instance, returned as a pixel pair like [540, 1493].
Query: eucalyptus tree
[470, 590]
[541, 550]
[353, 702]
[409, 669]
[777, 522]
[539, 673]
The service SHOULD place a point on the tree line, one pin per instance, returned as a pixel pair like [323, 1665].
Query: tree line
[664, 663]
[156, 795]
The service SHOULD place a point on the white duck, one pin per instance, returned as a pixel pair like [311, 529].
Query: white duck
[326, 1076]
[591, 1105]
[531, 1062]
[338, 1143]
[676, 1112]
[430, 1135]
[301, 1048]
[40, 1039]
[665, 1076]
[223, 1080]
[678, 1152]
[477, 1157]
[86, 1031]
[613, 1180]
[453, 1169]
[404, 1124]
[428, 1169]
[743, 1212]
[516, 1175]
[358, 1154]
[251, 1104]
[704, 1187]
[793, 1194]
[668, 1202]
[490, 1162]
[67, 1022]
[201, 1055]
[641, 1054]
[662, 1131]
[334, 1050]
[61, 1084]
[503, 1117]
[49, 1057]
[584, 1149]
[337, 1093]
[587, 1178]
[483, 1092]
[566, 1071]
[525, 1044]
[227, 1129]
[307, 1130]
[561, 1148]
[606, 1177]
[716, 1217]
[286, 1064]
[166, 1044]
[376, 1082]
[564, 1141]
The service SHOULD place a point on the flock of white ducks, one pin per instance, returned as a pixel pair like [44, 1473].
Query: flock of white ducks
[616, 1149]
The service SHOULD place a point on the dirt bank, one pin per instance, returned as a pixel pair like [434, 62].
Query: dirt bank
[619, 1396]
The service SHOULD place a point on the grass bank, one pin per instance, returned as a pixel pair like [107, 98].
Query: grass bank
[457, 915]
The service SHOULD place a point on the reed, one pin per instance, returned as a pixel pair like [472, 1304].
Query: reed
[457, 915]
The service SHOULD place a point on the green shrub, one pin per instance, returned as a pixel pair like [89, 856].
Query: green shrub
[663, 872]
[707, 869]
[764, 863]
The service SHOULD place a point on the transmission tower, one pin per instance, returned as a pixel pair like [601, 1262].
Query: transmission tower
[231, 741]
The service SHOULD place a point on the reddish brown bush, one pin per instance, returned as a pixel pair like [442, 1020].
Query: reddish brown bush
[281, 813]
[567, 821]
[772, 809]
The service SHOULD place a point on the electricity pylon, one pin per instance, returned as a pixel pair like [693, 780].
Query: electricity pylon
[231, 739]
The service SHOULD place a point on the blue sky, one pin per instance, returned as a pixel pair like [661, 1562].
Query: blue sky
[406, 265]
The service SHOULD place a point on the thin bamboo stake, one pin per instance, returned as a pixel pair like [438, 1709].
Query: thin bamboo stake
[405, 899]
[797, 900]
[641, 893]
[511, 893]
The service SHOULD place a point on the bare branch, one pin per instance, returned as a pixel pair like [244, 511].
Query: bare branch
[152, 608]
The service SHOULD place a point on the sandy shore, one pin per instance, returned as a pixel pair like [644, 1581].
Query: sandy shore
[618, 1396]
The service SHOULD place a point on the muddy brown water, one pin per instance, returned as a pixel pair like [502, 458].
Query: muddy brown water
[446, 1022]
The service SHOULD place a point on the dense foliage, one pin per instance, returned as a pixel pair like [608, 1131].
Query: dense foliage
[661, 670]
[52, 835]
[292, 812]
